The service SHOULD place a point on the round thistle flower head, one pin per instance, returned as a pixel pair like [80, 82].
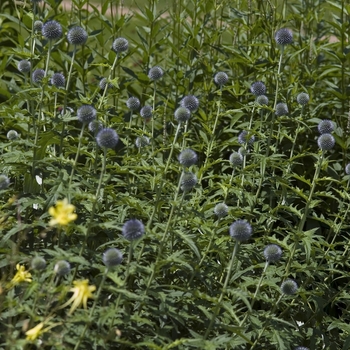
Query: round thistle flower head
[107, 138]
[12, 135]
[38, 75]
[221, 78]
[262, 100]
[77, 36]
[24, 66]
[133, 103]
[236, 159]
[182, 114]
[243, 138]
[242, 151]
[281, 109]
[289, 287]
[272, 252]
[95, 126]
[241, 230]
[190, 102]
[38, 26]
[301, 348]
[221, 210]
[103, 83]
[62, 268]
[4, 182]
[284, 36]
[347, 169]
[112, 257]
[133, 229]
[58, 80]
[146, 112]
[142, 141]
[188, 181]
[303, 98]
[38, 263]
[325, 126]
[188, 157]
[258, 88]
[120, 45]
[155, 73]
[51, 30]
[326, 142]
[86, 114]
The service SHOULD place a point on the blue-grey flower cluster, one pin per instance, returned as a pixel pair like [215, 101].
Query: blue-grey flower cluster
[284, 36]
[221, 210]
[289, 287]
[51, 30]
[188, 157]
[112, 257]
[221, 78]
[241, 230]
[120, 45]
[155, 73]
[86, 114]
[133, 229]
[107, 138]
[77, 36]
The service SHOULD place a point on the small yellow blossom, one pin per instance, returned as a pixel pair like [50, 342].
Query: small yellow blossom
[81, 293]
[62, 214]
[21, 276]
[34, 333]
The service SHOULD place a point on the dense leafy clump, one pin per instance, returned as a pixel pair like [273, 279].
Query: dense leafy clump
[174, 175]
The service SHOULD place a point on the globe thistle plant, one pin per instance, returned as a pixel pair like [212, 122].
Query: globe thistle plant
[95, 126]
[38, 263]
[221, 210]
[146, 112]
[284, 36]
[24, 66]
[236, 159]
[58, 80]
[77, 36]
[325, 126]
[188, 181]
[38, 26]
[289, 287]
[142, 141]
[104, 84]
[347, 169]
[62, 268]
[51, 30]
[86, 114]
[107, 138]
[155, 73]
[190, 102]
[262, 100]
[243, 138]
[38, 75]
[4, 182]
[182, 114]
[112, 257]
[258, 88]
[303, 98]
[188, 157]
[326, 142]
[120, 45]
[221, 79]
[301, 348]
[133, 229]
[241, 230]
[133, 103]
[272, 253]
[281, 109]
[12, 135]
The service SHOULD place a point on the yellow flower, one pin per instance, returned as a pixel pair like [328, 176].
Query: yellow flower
[62, 214]
[81, 293]
[21, 276]
[33, 333]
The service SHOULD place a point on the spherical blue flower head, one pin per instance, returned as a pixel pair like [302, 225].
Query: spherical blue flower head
[236, 159]
[95, 126]
[12, 135]
[38, 263]
[120, 45]
[112, 257]
[4, 182]
[86, 114]
[262, 100]
[289, 287]
[188, 181]
[301, 348]
[38, 26]
[281, 109]
[142, 141]
[155, 73]
[303, 98]
[107, 138]
[51, 30]
[284, 36]
[221, 210]
[347, 169]
[221, 78]
[325, 126]
[243, 138]
[190, 102]
[58, 80]
[24, 66]
[272, 252]
[133, 229]
[133, 103]
[182, 114]
[188, 157]
[62, 268]
[258, 88]
[326, 142]
[146, 112]
[241, 230]
[103, 83]
[38, 75]
[77, 36]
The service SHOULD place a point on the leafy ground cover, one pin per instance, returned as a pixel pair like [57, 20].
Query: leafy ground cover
[174, 177]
